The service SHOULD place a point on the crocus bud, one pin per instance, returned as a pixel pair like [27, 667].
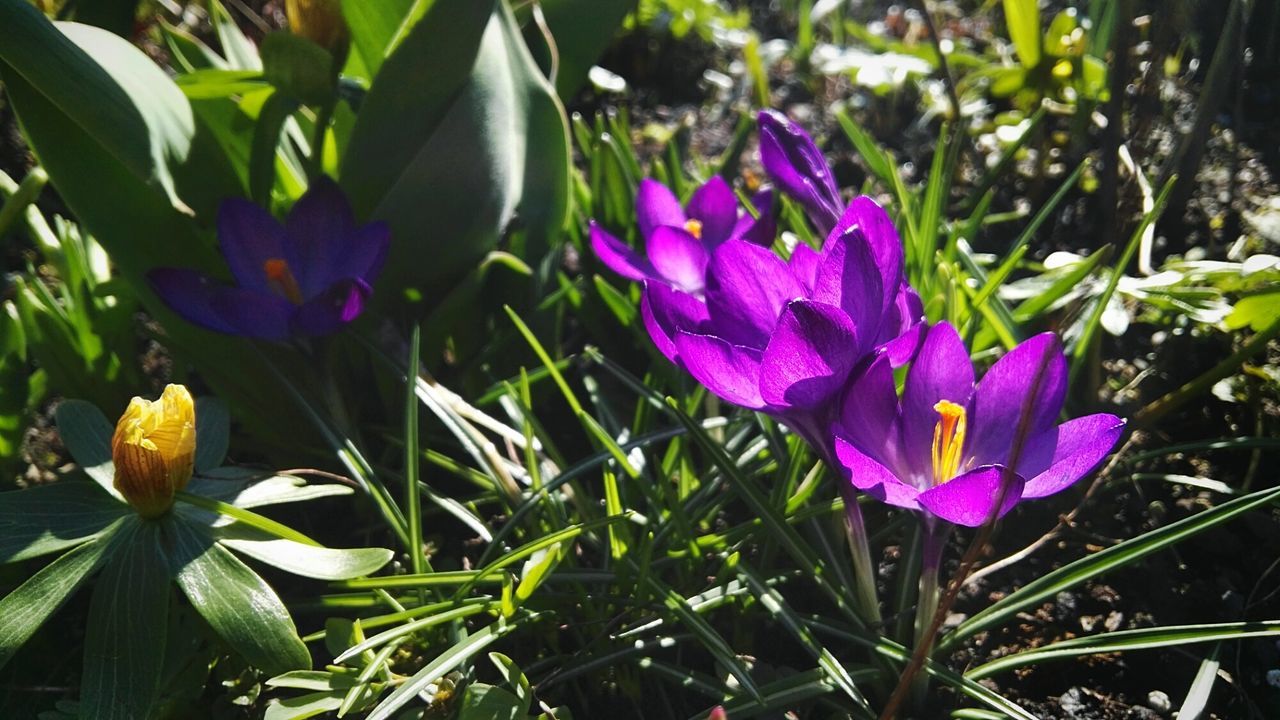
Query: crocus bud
[154, 449]
[321, 22]
[718, 713]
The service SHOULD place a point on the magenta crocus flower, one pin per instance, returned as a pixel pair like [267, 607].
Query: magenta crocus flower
[309, 276]
[798, 168]
[951, 448]
[678, 241]
[784, 337]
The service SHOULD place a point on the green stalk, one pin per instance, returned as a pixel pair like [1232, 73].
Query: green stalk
[860, 550]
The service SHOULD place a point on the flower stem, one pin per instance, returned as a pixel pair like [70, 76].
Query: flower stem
[934, 542]
[860, 550]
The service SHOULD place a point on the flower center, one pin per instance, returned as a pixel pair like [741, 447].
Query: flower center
[693, 227]
[279, 275]
[948, 440]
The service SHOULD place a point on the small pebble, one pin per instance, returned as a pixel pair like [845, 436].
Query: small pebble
[1159, 701]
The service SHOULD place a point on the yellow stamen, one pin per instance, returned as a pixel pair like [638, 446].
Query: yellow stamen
[693, 227]
[279, 274]
[948, 440]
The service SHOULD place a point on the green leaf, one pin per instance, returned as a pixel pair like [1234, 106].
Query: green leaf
[304, 706]
[48, 518]
[214, 83]
[536, 569]
[1023, 19]
[239, 50]
[238, 604]
[249, 488]
[488, 139]
[298, 67]
[582, 31]
[374, 25]
[86, 433]
[25, 609]
[305, 560]
[1255, 311]
[486, 702]
[1112, 558]
[124, 645]
[1125, 640]
[136, 111]
[213, 433]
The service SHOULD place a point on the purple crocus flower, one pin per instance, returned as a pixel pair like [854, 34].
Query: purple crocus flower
[784, 337]
[798, 168]
[678, 241]
[309, 276]
[951, 448]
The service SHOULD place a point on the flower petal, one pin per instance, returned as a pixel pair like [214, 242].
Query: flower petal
[666, 311]
[320, 227]
[798, 168]
[869, 410]
[679, 258]
[969, 499]
[873, 478]
[849, 279]
[261, 315]
[618, 257]
[869, 221]
[1023, 393]
[190, 294]
[657, 206]
[730, 371]
[248, 237]
[716, 207]
[809, 356]
[1082, 444]
[747, 286]
[941, 371]
[759, 230]
[327, 312]
[902, 329]
[804, 265]
[366, 251]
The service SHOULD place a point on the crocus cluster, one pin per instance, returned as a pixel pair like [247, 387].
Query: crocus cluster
[813, 339]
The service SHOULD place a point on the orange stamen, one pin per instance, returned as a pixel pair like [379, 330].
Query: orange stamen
[948, 440]
[279, 274]
[693, 227]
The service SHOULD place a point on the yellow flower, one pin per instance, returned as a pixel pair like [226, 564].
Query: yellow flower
[154, 448]
[319, 21]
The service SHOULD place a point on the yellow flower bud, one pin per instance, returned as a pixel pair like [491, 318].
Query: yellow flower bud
[321, 22]
[154, 448]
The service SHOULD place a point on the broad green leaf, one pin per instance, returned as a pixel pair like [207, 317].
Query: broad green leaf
[124, 645]
[213, 433]
[238, 604]
[1255, 311]
[249, 488]
[582, 31]
[25, 609]
[1023, 19]
[298, 67]
[486, 702]
[305, 560]
[1125, 640]
[51, 517]
[304, 706]
[86, 433]
[450, 158]
[374, 26]
[1112, 558]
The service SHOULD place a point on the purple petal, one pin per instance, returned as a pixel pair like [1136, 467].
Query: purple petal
[618, 257]
[941, 371]
[1022, 393]
[868, 221]
[969, 499]
[366, 251]
[716, 207]
[869, 411]
[730, 371]
[189, 294]
[798, 168]
[849, 279]
[902, 329]
[873, 478]
[1082, 444]
[249, 237]
[657, 206]
[255, 314]
[679, 258]
[327, 312]
[758, 230]
[804, 265]
[320, 226]
[747, 286]
[813, 348]
[666, 311]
